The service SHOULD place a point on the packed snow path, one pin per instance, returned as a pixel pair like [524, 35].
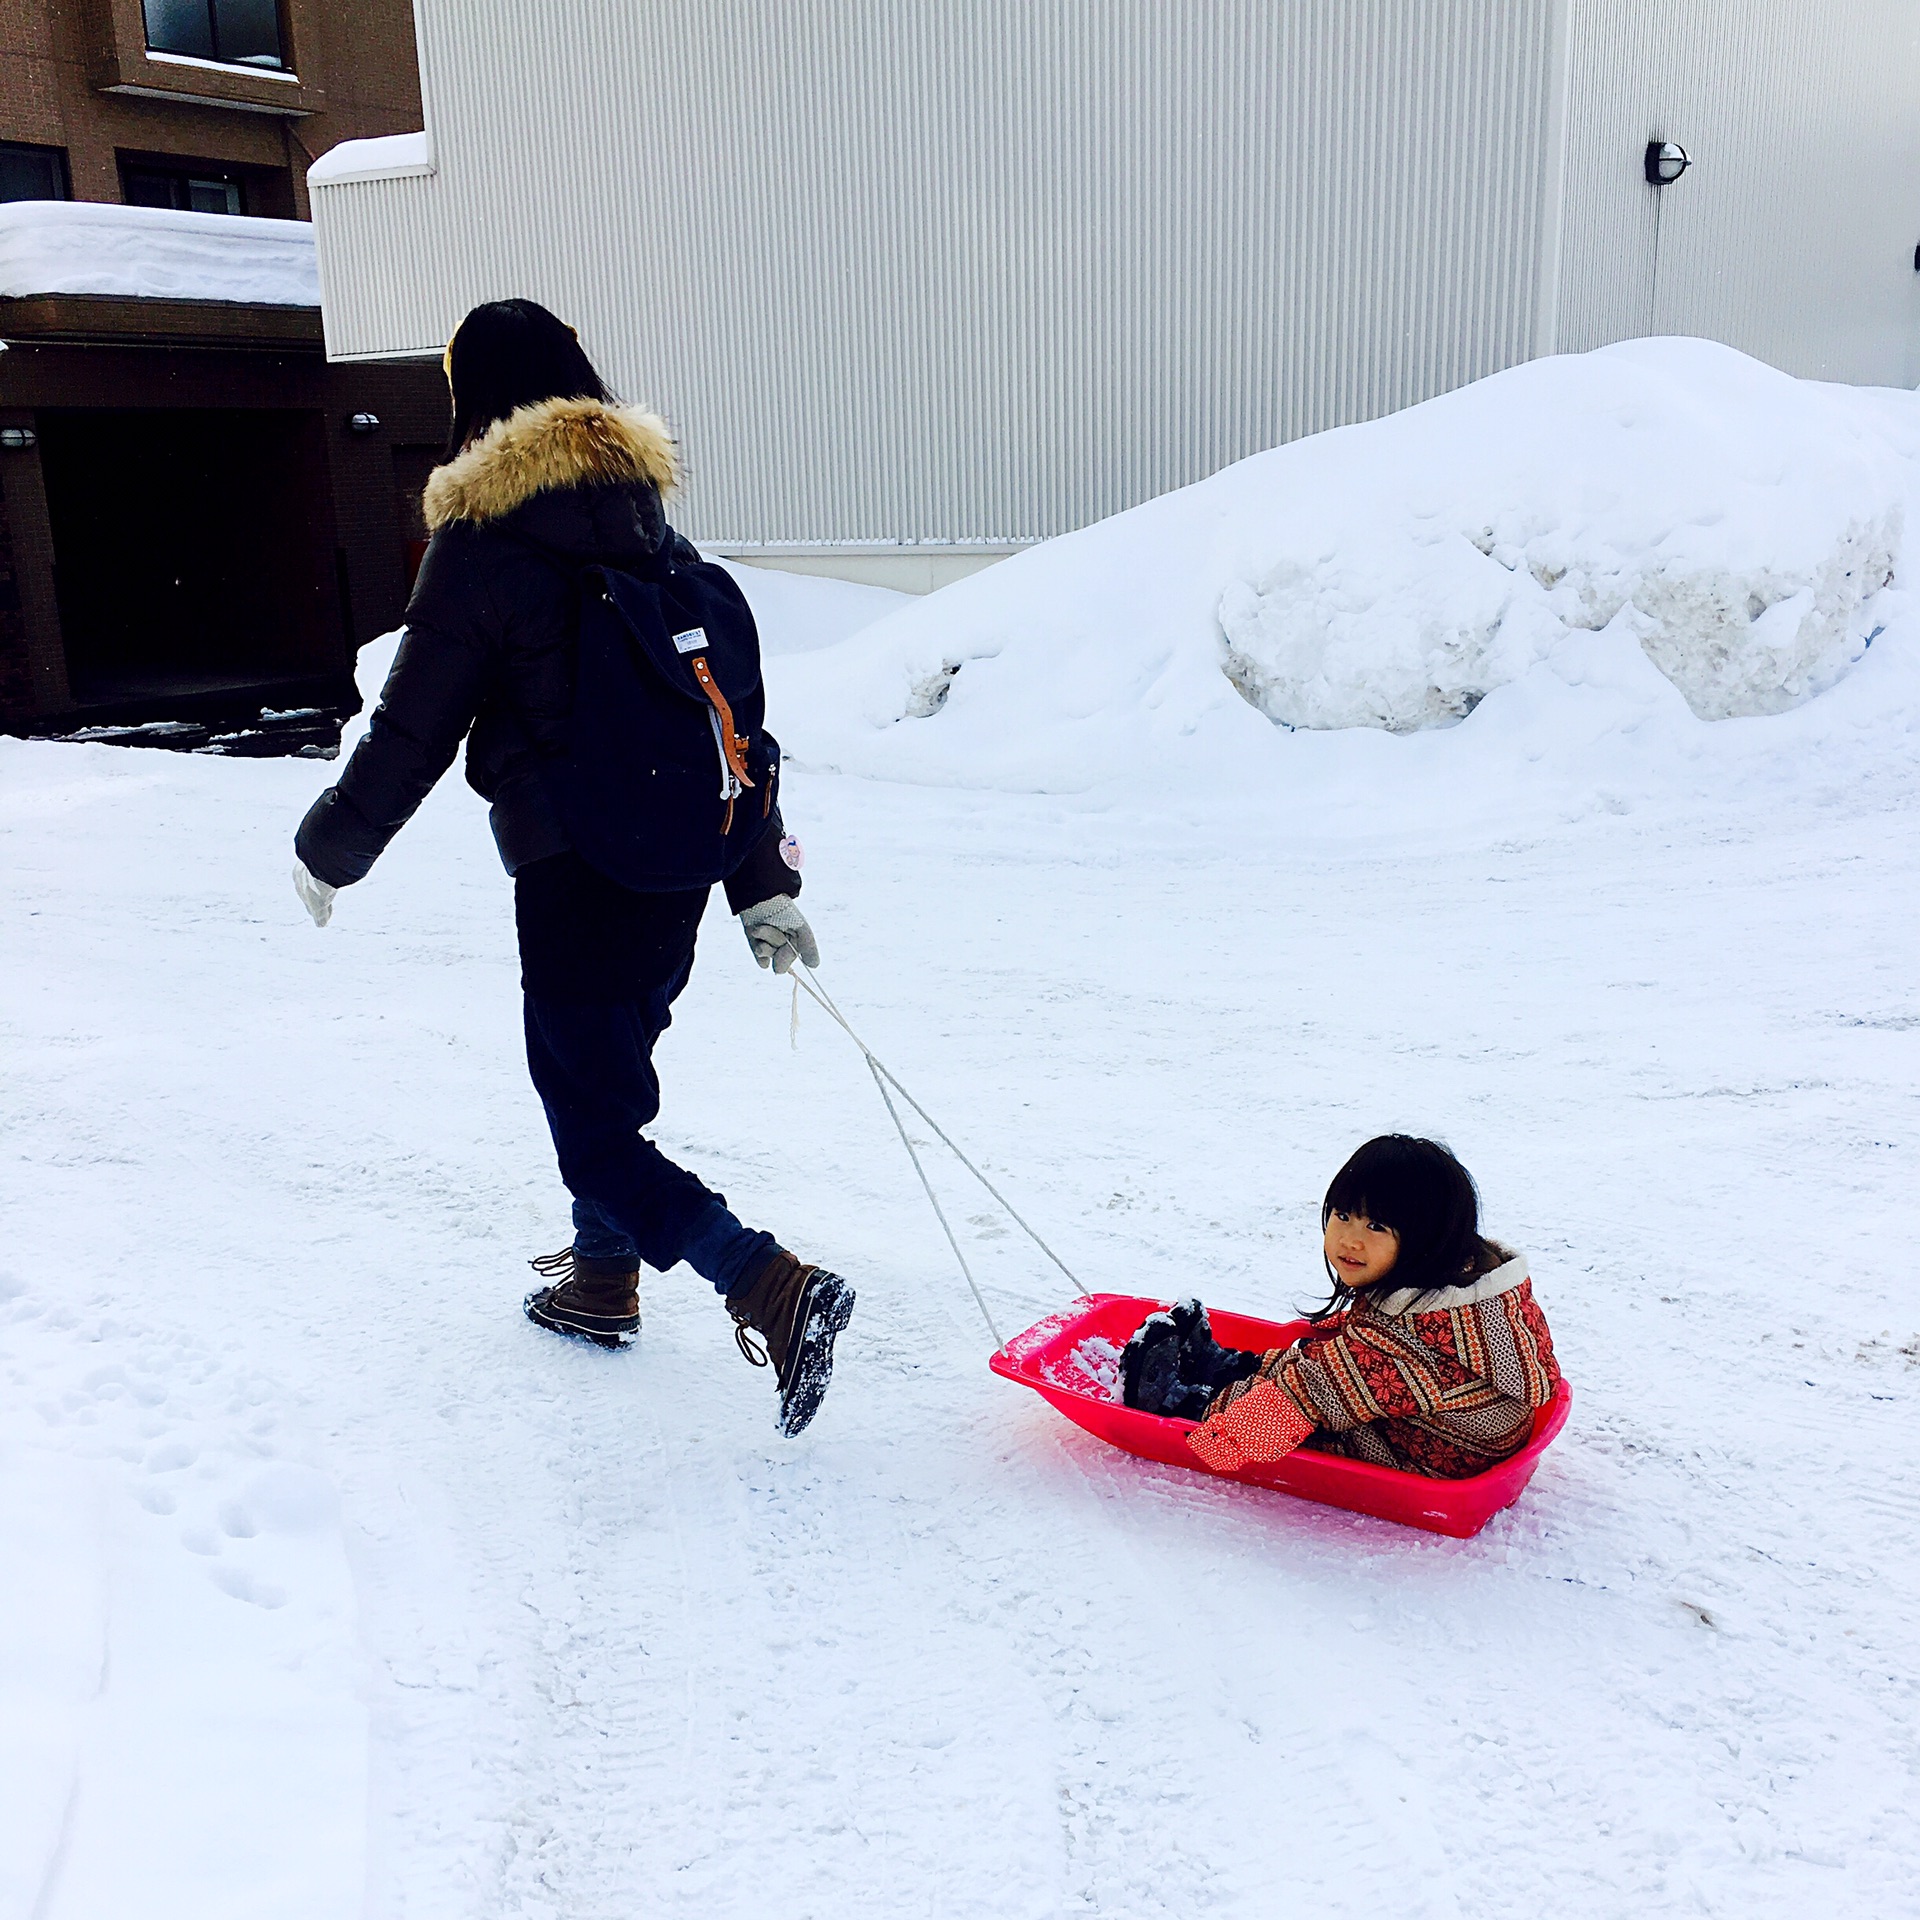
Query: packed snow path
[330, 1581]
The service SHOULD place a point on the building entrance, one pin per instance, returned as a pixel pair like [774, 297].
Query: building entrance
[194, 551]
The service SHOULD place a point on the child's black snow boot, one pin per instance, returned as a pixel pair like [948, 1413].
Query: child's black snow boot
[1203, 1361]
[1150, 1372]
[798, 1311]
[599, 1300]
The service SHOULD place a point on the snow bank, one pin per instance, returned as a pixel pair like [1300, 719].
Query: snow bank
[154, 253]
[1740, 520]
[800, 613]
[1667, 502]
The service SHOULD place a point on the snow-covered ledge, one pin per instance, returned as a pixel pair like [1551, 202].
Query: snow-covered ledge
[154, 253]
[393, 156]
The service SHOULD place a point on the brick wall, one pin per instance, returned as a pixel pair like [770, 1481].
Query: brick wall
[360, 52]
[371, 74]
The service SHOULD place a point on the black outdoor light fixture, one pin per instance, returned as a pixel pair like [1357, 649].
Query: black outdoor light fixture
[1665, 162]
[363, 423]
[17, 439]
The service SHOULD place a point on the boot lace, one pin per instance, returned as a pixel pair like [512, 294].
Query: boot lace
[554, 1266]
[752, 1350]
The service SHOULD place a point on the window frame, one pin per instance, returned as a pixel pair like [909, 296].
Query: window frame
[212, 9]
[266, 193]
[120, 61]
[62, 167]
[184, 175]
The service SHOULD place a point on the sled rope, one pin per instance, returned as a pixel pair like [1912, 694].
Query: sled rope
[884, 1079]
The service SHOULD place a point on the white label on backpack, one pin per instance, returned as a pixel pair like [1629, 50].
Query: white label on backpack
[694, 640]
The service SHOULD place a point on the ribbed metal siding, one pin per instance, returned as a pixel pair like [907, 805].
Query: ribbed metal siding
[975, 272]
[1792, 235]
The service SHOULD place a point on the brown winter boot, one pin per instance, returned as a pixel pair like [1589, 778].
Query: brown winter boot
[597, 1299]
[797, 1311]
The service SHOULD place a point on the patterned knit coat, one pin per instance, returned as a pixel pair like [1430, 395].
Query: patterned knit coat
[1443, 1381]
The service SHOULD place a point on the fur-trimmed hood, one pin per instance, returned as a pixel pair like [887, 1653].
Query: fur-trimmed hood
[1510, 1273]
[550, 445]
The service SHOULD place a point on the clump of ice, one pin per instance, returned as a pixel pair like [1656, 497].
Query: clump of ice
[1600, 529]
[1093, 1366]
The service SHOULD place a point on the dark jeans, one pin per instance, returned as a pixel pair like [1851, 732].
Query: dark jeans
[600, 968]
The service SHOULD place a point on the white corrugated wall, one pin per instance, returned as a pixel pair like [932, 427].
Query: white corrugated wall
[974, 273]
[1792, 235]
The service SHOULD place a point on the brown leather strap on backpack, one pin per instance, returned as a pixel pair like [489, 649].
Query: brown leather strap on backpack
[732, 744]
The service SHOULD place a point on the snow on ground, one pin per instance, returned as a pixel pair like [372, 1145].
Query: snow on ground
[77, 246]
[325, 1571]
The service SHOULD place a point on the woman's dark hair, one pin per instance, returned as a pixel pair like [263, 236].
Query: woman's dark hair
[507, 355]
[1426, 1196]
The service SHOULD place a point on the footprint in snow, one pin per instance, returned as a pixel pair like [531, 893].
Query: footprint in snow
[243, 1586]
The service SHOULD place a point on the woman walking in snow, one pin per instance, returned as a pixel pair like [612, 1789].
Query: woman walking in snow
[547, 513]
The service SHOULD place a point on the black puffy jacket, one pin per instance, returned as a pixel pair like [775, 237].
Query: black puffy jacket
[487, 655]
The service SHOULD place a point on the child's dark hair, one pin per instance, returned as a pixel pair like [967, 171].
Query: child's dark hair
[1427, 1197]
[507, 355]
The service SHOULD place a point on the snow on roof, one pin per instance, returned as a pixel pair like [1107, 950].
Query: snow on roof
[154, 253]
[386, 157]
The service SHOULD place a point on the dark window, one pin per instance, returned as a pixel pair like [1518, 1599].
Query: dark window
[224, 577]
[238, 33]
[194, 182]
[32, 173]
[192, 187]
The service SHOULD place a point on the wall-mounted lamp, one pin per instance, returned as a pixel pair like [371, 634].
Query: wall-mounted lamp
[17, 439]
[363, 423]
[1665, 163]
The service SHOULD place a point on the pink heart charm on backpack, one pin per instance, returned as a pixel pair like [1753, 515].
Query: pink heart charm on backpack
[792, 852]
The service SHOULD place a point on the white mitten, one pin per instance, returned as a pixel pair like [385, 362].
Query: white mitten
[315, 895]
[778, 933]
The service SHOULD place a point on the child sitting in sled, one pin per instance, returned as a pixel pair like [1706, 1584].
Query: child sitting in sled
[1430, 1356]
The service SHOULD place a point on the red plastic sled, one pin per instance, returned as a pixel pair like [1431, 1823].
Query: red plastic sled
[1043, 1358]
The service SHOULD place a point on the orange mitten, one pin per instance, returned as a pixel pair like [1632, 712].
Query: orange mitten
[1261, 1424]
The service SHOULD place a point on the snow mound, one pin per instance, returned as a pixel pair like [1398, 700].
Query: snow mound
[76, 246]
[798, 612]
[1739, 521]
[1670, 502]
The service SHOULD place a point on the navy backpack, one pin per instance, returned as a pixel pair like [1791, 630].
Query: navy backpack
[668, 775]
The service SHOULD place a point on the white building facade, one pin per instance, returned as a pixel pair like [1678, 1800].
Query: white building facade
[919, 281]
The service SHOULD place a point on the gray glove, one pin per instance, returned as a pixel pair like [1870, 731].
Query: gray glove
[778, 933]
[315, 895]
